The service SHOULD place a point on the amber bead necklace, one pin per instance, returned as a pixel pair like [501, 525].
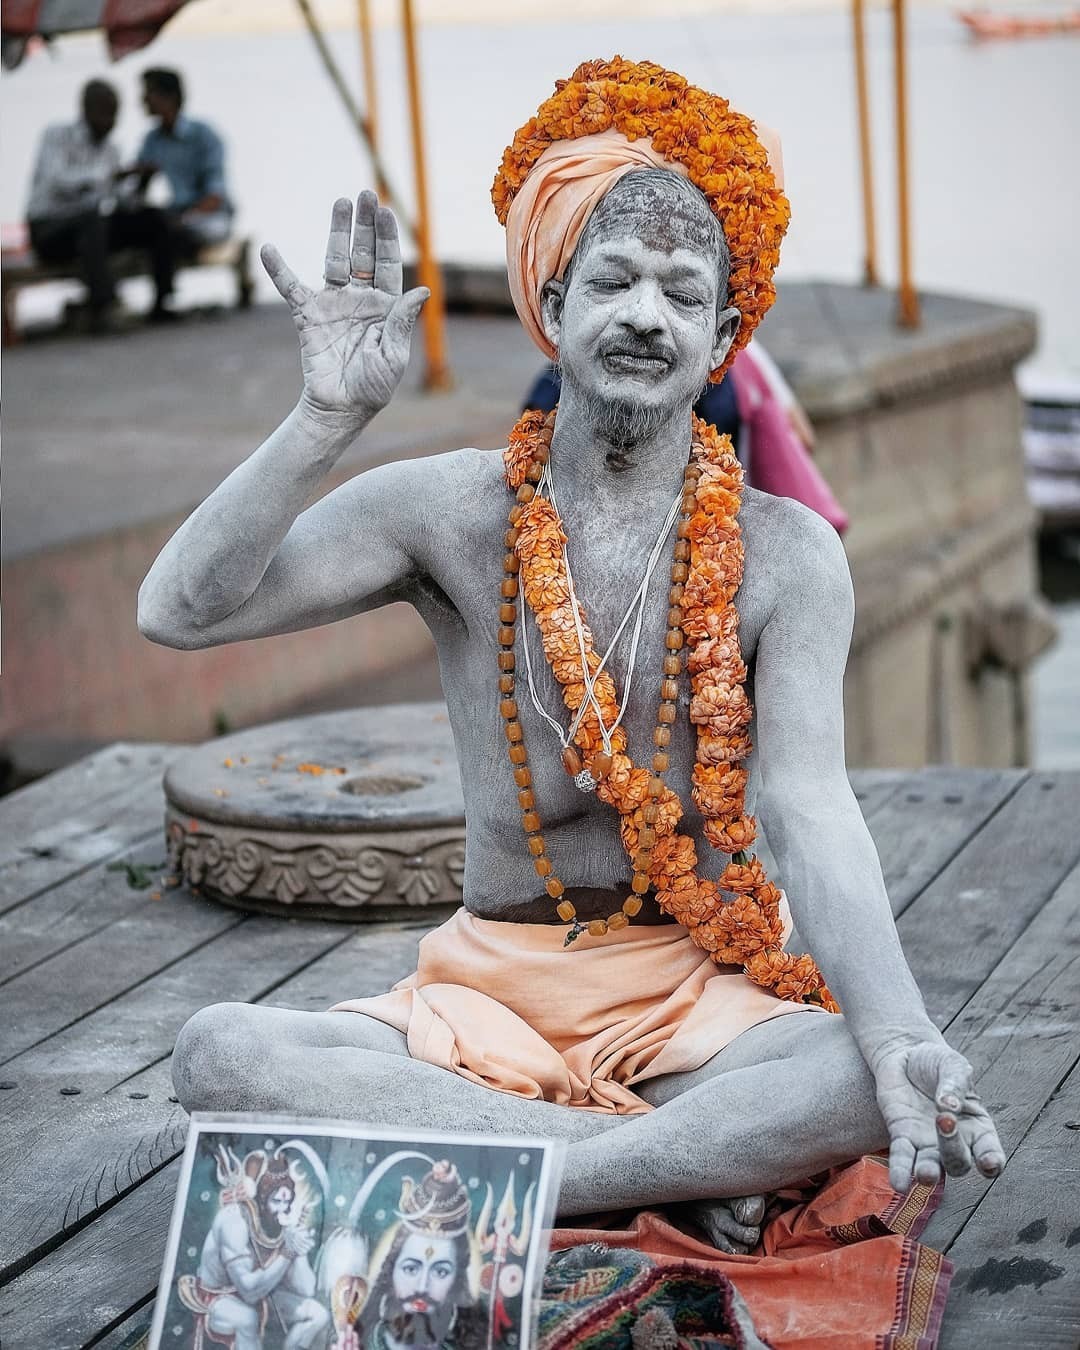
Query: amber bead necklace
[600, 764]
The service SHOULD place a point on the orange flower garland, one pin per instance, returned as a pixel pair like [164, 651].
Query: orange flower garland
[717, 146]
[737, 919]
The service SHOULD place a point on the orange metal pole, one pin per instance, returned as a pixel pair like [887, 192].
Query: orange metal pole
[370, 92]
[870, 272]
[908, 315]
[437, 375]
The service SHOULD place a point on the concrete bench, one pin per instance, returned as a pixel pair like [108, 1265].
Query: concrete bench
[19, 268]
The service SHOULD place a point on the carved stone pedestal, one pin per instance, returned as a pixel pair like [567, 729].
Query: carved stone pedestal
[354, 815]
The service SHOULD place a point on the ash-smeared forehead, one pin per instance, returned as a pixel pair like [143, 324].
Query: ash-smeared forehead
[663, 210]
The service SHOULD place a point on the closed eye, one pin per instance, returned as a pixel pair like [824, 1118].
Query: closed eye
[682, 298]
[607, 284]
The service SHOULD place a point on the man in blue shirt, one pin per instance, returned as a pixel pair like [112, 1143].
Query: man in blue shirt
[191, 156]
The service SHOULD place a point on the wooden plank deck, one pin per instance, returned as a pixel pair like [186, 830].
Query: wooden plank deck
[98, 971]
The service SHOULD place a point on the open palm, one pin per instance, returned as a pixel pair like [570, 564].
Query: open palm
[935, 1119]
[355, 333]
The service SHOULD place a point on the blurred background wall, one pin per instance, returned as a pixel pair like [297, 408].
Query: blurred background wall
[109, 443]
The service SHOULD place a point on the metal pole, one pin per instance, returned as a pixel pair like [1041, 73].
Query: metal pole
[370, 92]
[908, 311]
[359, 121]
[437, 375]
[870, 272]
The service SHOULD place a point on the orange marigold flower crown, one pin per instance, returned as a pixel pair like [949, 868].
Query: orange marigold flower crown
[717, 146]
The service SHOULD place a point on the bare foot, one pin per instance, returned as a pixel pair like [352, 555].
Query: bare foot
[731, 1225]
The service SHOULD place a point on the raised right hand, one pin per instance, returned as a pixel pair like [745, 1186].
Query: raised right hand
[355, 333]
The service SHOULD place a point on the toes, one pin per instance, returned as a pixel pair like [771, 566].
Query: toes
[723, 1228]
[749, 1210]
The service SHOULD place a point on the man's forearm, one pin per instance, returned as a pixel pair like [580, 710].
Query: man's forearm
[829, 867]
[216, 559]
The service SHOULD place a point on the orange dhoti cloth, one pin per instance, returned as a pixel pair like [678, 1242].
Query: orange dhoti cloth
[509, 1006]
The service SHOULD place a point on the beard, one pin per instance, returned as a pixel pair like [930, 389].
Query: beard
[624, 420]
[410, 1327]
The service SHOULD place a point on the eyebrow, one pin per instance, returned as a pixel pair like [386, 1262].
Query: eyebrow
[606, 256]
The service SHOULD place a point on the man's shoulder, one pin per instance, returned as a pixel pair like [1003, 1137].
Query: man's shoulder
[453, 488]
[204, 131]
[467, 476]
[792, 543]
[783, 523]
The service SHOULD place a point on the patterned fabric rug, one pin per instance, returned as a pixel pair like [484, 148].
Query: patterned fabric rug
[839, 1268]
[597, 1297]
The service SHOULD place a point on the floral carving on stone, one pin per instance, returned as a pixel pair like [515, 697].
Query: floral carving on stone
[345, 878]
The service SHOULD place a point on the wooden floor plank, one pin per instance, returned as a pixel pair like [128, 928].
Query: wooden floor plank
[96, 1278]
[1015, 847]
[101, 1129]
[872, 787]
[75, 909]
[958, 929]
[1018, 1259]
[96, 830]
[926, 819]
[132, 1333]
[44, 810]
[370, 962]
[102, 967]
[1021, 1032]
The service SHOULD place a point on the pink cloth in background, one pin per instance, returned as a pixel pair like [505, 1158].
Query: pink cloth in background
[779, 462]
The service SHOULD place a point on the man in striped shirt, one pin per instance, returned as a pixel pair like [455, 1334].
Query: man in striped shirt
[78, 212]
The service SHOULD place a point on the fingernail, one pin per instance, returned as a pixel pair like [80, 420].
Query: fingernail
[953, 1103]
[946, 1124]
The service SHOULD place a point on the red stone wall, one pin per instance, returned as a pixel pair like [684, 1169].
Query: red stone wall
[75, 664]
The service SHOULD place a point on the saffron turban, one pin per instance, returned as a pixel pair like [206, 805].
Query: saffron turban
[606, 121]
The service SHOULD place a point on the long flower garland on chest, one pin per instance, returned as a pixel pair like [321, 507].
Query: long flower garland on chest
[736, 919]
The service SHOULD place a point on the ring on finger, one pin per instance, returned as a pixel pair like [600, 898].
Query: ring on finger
[336, 281]
[363, 276]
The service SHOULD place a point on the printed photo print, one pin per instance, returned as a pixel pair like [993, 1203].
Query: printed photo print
[304, 1235]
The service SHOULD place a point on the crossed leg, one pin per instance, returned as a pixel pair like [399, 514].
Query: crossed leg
[784, 1100]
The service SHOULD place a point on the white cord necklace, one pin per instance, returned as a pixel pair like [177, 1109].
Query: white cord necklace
[585, 780]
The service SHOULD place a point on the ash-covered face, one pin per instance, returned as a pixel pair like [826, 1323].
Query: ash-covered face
[639, 318]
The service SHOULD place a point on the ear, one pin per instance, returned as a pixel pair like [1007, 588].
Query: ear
[552, 298]
[727, 325]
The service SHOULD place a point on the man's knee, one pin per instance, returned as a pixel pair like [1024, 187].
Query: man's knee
[216, 1056]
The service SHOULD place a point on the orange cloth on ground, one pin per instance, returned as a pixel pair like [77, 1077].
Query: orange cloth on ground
[509, 1006]
[838, 1267]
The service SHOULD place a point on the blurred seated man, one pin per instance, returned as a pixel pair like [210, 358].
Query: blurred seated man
[74, 212]
[191, 155]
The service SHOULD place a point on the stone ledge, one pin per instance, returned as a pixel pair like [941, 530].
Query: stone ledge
[896, 589]
[860, 359]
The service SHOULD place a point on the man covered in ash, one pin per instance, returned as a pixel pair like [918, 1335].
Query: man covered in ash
[658, 652]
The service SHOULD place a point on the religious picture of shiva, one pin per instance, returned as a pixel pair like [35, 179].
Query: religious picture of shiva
[293, 1235]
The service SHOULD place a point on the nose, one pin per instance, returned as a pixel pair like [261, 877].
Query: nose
[641, 310]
